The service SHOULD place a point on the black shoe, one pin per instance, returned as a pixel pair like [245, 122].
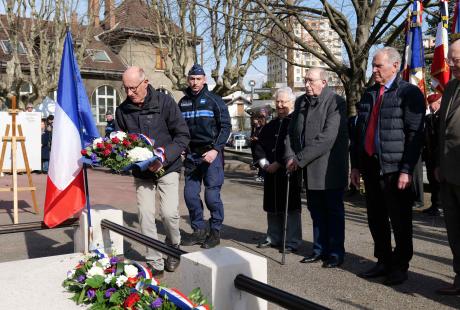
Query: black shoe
[171, 263]
[332, 262]
[432, 211]
[212, 239]
[395, 277]
[156, 273]
[378, 270]
[312, 258]
[197, 237]
[288, 250]
[266, 244]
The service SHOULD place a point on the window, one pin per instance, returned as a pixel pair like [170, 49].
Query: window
[160, 63]
[103, 99]
[25, 89]
[98, 55]
[8, 49]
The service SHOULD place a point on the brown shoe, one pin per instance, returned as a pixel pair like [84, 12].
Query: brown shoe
[450, 290]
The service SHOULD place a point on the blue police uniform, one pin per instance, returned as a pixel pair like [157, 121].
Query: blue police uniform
[209, 124]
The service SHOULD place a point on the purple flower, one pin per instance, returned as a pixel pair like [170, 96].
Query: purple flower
[81, 278]
[93, 157]
[109, 292]
[91, 293]
[156, 303]
[113, 260]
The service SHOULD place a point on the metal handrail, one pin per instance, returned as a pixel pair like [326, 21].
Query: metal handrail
[274, 295]
[32, 226]
[143, 239]
[242, 282]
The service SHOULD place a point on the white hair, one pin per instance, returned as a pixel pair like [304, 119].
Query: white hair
[392, 54]
[285, 90]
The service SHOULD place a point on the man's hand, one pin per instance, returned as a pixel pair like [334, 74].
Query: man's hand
[355, 177]
[292, 165]
[209, 156]
[155, 166]
[404, 180]
[273, 167]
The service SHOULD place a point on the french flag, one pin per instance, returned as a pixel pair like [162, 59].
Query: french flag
[440, 72]
[73, 127]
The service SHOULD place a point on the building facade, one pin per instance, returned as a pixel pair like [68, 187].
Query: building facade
[277, 64]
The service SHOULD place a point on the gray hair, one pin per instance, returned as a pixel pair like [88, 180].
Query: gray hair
[321, 71]
[285, 90]
[392, 54]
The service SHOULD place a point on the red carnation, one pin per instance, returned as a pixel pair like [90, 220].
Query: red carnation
[84, 152]
[108, 146]
[133, 137]
[106, 152]
[126, 143]
[100, 145]
[131, 300]
[131, 282]
[115, 140]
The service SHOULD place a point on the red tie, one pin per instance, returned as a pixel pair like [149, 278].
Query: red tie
[369, 144]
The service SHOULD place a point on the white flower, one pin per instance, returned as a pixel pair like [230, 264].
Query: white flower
[121, 280]
[108, 279]
[105, 262]
[131, 271]
[70, 274]
[119, 134]
[95, 271]
[139, 154]
[95, 142]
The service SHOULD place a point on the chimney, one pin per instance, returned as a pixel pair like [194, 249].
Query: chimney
[74, 22]
[93, 11]
[109, 14]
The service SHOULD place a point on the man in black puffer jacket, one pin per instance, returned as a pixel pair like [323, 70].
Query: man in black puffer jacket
[209, 123]
[157, 116]
[387, 146]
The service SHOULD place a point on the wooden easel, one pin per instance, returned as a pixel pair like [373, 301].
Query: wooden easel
[13, 139]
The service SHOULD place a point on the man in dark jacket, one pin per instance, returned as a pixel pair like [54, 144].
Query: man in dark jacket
[157, 116]
[318, 143]
[110, 127]
[387, 146]
[208, 120]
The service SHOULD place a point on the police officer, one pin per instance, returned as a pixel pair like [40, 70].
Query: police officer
[208, 120]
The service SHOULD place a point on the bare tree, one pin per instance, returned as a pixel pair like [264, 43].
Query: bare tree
[236, 33]
[35, 31]
[175, 23]
[360, 25]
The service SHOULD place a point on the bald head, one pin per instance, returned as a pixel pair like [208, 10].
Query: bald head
[135, 84]
[453, 57]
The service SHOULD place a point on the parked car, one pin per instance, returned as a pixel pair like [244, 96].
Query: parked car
[238, 137]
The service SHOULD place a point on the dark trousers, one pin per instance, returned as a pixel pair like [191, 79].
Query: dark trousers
[212, 175]
[388, 207]
[434, 184]
[328, 216]
[450, 195]
[417, 179]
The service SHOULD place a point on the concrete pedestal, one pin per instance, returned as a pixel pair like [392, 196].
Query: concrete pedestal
[37, 283]
[101, 240]
[215, 270]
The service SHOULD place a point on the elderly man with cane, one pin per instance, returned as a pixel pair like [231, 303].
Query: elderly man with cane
[318, 144]
[284, 228]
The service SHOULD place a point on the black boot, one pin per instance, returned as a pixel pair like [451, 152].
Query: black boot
[197, 237]
[212, 240]
[171, 263]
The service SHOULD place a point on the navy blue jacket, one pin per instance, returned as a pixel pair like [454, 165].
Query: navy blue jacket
[400, 127]
[160, 119]
[207, 118]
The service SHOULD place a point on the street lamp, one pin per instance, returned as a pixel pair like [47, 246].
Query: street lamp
[252, 83]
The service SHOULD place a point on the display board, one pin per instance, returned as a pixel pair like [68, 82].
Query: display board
[30, 123]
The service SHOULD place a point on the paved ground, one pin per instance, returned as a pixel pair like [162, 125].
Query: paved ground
[244, 225]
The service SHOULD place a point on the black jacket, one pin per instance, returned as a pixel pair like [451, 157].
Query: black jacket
[400, 127]
[207, 118]
[159, 119]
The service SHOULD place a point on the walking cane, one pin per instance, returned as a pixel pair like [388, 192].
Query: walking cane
[283, 258]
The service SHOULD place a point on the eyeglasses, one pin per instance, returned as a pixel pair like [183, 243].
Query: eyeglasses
[310, 81]
[133, 89]
[452, 61]
[282, 101]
